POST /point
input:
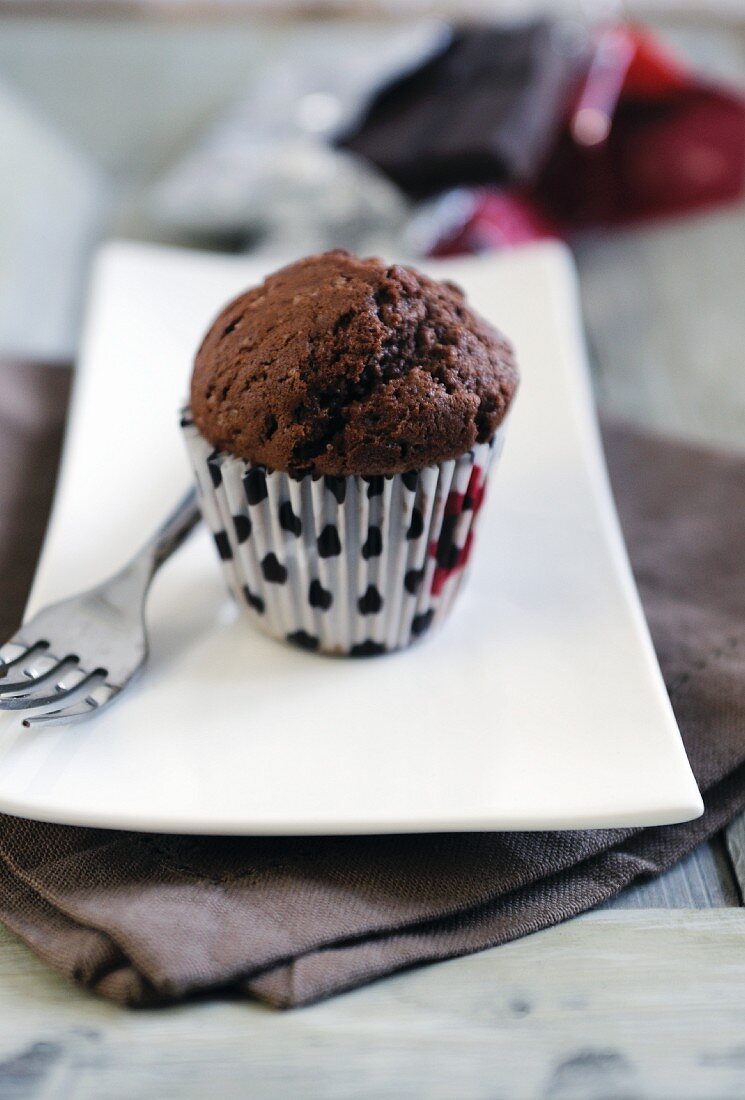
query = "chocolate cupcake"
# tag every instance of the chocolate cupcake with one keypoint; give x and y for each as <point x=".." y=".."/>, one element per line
<point x="344" y="416"/>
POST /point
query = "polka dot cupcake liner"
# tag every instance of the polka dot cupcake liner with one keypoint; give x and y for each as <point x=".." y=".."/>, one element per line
<point x="342" y="565"/>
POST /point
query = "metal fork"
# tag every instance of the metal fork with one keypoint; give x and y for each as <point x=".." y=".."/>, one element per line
<point x="76" y="656"/>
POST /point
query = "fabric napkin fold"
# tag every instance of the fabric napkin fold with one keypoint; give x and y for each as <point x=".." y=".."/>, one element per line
<point x="148" y="919"/>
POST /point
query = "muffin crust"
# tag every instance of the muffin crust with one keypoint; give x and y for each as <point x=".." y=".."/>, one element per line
<point x="337" y="365"/>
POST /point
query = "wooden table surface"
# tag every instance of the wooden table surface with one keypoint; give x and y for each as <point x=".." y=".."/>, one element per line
<point x="642" y="1000"/>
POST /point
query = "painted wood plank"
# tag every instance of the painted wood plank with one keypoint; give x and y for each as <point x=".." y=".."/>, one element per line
<point x="658" y="365"/>
<point x="736" y="848"/>
<point x="625" y="1004"/>
<point x="703" y="880"/>
<point x="54" y="201"/>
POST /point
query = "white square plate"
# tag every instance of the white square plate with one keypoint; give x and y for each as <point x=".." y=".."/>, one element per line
<point x="539" y="705"/>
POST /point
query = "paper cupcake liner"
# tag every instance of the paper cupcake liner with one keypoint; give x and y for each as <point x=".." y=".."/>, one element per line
<point x="343" y="565"/>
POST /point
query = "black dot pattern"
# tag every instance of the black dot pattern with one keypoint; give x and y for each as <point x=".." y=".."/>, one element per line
<point x="213" y="465"/>
<point x="318" y="596"/>
<point x="254" y="484"/>
<point x="223" y="545"/>
<point x="242" y="526"/>
<point x="253" y="600"/>
<point x="416" y="527"/>
<point x="273" y="570"/>
<point x="288" y="521"/>
<point x="329" y="544"/>
<point x="337" y="486"/>
<point x="447" y="551"/>
<point x="421" y="623"/>
<point x="431" y="558"/>
<point x="373" y="545"/>
<point x="304" y="640"/>
<point x="371" y="603"/>
<point x="367" y="649"/>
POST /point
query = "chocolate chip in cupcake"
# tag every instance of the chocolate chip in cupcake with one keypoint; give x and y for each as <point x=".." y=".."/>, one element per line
<point x="337" y="365"/>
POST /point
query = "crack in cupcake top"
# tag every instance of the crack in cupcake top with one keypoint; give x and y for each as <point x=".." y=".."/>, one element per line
<point x="338" y="365"/>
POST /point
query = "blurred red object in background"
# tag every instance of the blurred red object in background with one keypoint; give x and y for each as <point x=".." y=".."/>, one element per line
<point x="643" y="139"/>
<point x="674" y="143"/>
<point x="491" y="219"/>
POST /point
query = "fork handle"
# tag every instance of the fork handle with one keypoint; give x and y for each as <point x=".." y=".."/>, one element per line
<point x="172" y="531"/>
<point x="127" y="588"/>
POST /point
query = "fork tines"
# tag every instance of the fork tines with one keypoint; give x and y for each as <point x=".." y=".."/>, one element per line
<point x="54" y="688"/>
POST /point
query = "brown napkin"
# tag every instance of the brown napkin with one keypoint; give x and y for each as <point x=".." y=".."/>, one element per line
<point x="148" y="919"/>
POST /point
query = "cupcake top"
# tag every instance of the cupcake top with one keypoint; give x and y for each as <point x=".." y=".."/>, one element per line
<point x="339" y="365"/>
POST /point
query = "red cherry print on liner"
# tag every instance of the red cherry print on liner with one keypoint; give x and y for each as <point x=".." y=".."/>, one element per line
<point x="450" y="558"/>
